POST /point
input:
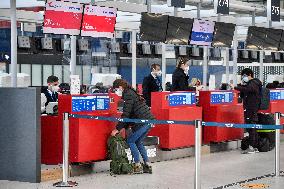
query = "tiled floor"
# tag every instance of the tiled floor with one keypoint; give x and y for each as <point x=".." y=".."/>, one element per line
<point x="218" y="170"/>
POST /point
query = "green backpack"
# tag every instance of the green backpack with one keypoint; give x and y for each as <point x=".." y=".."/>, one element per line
<point x="116" y="152"/>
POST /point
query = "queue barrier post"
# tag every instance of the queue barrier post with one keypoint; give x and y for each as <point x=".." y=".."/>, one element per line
<point x="65" y="163"/>
<point x="277" y="145"/>
<point x="197" y="178"/>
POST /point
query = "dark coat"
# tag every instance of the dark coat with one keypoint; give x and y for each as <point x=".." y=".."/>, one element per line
<point x="50" y="98"/>
<point x="150" y="85"/>
<point x="179" y="80"/>
<point x="134" y="107"/>
<point x="250" y="94"/>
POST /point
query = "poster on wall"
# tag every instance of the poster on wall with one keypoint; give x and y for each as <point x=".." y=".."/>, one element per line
<point x="202" y="32"/>
<point x="62" y="18"/>
<point x="98" y="21"/>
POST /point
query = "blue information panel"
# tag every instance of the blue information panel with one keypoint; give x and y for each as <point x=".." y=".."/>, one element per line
<point x="221" y="97"/>
<point x="178" y="99"/>
<point x="277" y="94"/>
<point x="90" y="103"/>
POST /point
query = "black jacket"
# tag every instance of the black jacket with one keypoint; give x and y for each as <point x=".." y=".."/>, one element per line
<point x="179" y="80"/>
<point x="134" y="108"/>
<point x="149" y="85"/>
<point x="50" y="98"/>
<point x="250" y="94"/>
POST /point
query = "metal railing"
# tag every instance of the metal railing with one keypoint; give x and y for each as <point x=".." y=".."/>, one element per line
<point x="198" y="141"/>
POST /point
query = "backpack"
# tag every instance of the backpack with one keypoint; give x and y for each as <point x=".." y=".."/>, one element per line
<point x="116" y="152"/>
<point x="264" y="98"/>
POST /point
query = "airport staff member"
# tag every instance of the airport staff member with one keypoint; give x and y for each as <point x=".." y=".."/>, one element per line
<point x="180" y="76"/>
<point x="152" y="83"/>
<point x="51" y="93"/>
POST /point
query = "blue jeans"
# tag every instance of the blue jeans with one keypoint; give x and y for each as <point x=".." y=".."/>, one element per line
<point x="135" y="142"/>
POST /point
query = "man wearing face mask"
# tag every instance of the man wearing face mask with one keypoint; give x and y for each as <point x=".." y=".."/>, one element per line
<point x="180" y="76"/>
<point x="250" y="93"/>
<point x="51" y="92"/>
<point x="152" y="83"/>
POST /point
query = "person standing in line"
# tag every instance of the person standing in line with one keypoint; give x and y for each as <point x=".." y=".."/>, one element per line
<point x="250" y="93"/>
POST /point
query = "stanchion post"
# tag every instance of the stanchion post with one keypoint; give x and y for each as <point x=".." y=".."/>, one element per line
<point x="197" y="178"/>
<point x="277" y="145"/>
<point x="65" y="163"/>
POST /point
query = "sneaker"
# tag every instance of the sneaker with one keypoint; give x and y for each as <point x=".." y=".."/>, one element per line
<point x="147" y="168"/>
<point x="250" y="150"/>
<point x="256" y="150"/>
<point x="137" y="169"/>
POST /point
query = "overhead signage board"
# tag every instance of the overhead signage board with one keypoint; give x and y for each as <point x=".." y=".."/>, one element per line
<point x="221" y="6"/>
<point x="273" y="10"/>
<point x="62" y="18"/>
<point x="98" y="21"/>
<point x="176" y="3"/>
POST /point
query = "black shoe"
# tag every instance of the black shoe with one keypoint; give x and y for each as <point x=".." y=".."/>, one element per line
<point x="147" y="168"/>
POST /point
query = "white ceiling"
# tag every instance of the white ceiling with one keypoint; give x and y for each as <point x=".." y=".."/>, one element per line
<point x="22" y="3"/>
<point x="131" y="21"/>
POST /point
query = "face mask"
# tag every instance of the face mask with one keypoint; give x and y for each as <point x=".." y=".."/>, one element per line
<point x="54" y="88"/>
<point x="245" y="79"/>
<point x="159" y="73"/>
<point x="186" y="69"/>
<point x="118" y="92"/>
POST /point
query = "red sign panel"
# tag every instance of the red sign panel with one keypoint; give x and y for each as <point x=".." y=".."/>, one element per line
<point x="62" y="18"/>
<point x="98" y="21"/>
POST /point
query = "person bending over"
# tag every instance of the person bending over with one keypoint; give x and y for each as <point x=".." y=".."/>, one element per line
<point x="134" y="108"/>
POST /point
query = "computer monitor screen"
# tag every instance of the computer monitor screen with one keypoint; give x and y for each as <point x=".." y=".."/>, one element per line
<point x="179" y="30"/>
<point x="202" y="32"/>
<point x="153" y="27"/>
<point x="256" y="37"/>
<point x="223" y="34"/>
<point x="272" y="40"/>
<point x="281" y="44"/>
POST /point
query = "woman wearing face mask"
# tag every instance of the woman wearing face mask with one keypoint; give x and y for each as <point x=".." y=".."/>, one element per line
<point x="180" y="76"/>
<point x="152" y="83"/>
<point x="134" y="108"/>
<point x="51" y="92"/>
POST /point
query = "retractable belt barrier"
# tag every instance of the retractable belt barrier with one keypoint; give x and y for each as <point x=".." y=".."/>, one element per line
<point x="190" y="123"/>
<point x="196" y="123"/>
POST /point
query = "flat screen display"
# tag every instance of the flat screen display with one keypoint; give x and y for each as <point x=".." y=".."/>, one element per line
<point x="178" y="99"/>
<point x="90" y="103"/>
<point x="281" y="45"/>
<point x="98" y="21"/>
<point x="223" y="34"/>
<point x="202" y="32"/>
<point x="272" y="40"/>
<point x="256" y="37"/>
<point x="153" y="27"/>
<point x="62" y="18"/>
<point x="276" y="94"/>
<point x="221" y="97"/>
<point x="179" y="30"/>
